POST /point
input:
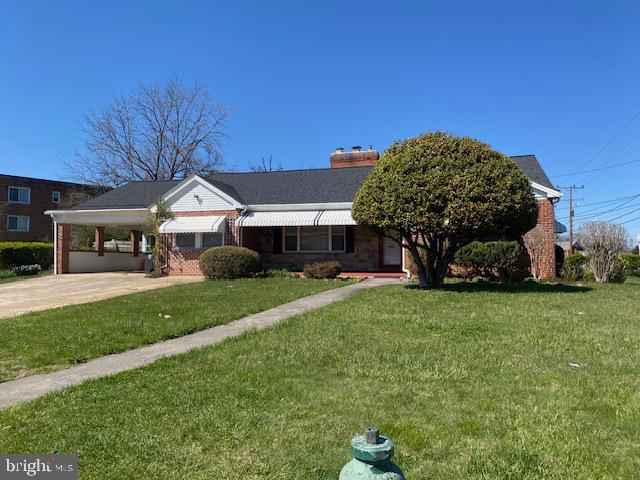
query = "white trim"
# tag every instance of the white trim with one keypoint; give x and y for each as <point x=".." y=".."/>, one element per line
<point x="18" y="217"/>
<point x="55" y="247"/>
<point x="106" y="217"/>
<point x="101" y="210"/>
<point x="279" y="207"/>
<point x="17" y="187"/>
<point x="196" y="179"/>
<point x="551" y="192"/>
<point x="53" y="195"/>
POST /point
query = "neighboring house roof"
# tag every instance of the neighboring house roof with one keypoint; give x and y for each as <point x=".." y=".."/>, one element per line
<point x="324" y="185"/>
<point x="532" y="168"/>
<point x="560" y="227"/>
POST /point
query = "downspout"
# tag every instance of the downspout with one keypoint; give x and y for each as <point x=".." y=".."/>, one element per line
<point x="55" y="245"/>
<point x="406" y="271"/>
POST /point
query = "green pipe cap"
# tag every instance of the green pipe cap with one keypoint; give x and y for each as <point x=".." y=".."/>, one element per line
<point x="380" y="451"/>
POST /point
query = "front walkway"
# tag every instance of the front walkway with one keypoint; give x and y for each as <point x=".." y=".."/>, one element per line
<point x="29" y="388"/>
<point x="54" y="291"/>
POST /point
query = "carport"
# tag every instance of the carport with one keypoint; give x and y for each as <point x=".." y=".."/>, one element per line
<point x="99" y="260"/>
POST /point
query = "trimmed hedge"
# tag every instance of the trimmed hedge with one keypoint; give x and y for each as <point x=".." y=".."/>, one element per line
<point x="487" y="259"/>
<point x="575" y="267"/>
<point x="631" y="264"/>
<point x="322" y="270"/>
<point x="16" y="254"/>
<point x="229" y="262"/>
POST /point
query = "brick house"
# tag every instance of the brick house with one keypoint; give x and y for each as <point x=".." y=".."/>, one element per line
<point x="23" y="201"/>
<point x="290" y="217"/>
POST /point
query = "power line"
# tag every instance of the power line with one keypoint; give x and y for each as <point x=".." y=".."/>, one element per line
<point x="623" y="215"/>
<point x="592" y="176"/>
<point x="609" y="142"/>
<point x="590" y="213"/>
<point x="597" y="169"/>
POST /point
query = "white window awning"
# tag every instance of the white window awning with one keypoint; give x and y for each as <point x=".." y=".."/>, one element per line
<point x="336" y="217"/>
<point x="296" y="218"/>
<point x="209" y="224"/>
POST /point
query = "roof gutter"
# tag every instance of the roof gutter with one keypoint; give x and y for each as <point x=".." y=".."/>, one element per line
<point x="280" y="207"/>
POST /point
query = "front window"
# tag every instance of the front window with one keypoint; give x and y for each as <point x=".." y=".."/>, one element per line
<point x="19" y="194"/>
<point x="185" y="240"/>
<point x="337" y="238"/>
<point x="314" y="239"/>
<point x="55" y="197"/>
<point x="211" y="240"/>
<point x="290" y="239"/>
<point x="17" y="223"/>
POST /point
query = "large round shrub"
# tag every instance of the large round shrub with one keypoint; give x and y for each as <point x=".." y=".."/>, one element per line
<point x="229" y="262"/>
<point x="440" y="192"/>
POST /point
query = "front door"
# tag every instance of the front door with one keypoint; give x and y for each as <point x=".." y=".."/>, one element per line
<point x="391" y="254"/>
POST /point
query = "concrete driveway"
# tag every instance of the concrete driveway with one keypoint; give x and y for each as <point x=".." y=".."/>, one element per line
<point x="59" y="290"/>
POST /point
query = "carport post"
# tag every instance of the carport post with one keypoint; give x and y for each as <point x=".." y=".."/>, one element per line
<point x="135" y="246"/>
<point x="99" y="247"/>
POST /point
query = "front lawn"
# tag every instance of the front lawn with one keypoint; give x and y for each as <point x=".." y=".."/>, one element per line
<point x="52" y="339"/>
<point x="475" y="382"/>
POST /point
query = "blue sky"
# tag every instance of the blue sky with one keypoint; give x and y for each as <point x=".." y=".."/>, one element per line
<point x="558" y="79"/>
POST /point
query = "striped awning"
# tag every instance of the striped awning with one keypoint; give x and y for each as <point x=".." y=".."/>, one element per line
<point x="209" y="224"/>
<point x="295" y="218"/>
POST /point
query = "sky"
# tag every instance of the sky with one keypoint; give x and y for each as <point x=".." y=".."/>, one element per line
<point x="557" y="79"/>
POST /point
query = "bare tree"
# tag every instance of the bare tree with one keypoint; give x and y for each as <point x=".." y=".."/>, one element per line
<point x="536" y="242"/>
<point x="159" y="132"/>
<point x="604" y="243"/>
<point x="265" y="166"/>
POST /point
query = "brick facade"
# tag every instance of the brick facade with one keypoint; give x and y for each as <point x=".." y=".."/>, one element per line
<point x="365" y="257"/>
<point x="185" y="262"/>
<point x="354" y="158"/>
<point x="541" y="242"/>
<point x="41" y="199"/>
<point x="63" y="240"/>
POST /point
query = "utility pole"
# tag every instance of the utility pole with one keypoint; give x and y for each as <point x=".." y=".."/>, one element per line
<point x="571" y="188"/>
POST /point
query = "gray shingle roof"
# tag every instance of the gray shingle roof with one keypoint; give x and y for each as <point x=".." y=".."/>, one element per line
<point x="532" y="168"/>
<point x="325" y="185"/>
<point x="295" y="186"/>
<point x="131" y="195"/>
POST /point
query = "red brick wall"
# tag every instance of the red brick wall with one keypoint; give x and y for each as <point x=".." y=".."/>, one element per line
<point x="541" y="242"/>
<point x="63" y="240"/>
<point x="40" y="225"/>
<point x="365" y="257"/>
<point x="185" y="262"/>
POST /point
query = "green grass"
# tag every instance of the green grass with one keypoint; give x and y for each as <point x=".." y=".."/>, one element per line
<point x="473" y="382"/>
<point x="15" y="278"/>
<point x="52" y="339"/>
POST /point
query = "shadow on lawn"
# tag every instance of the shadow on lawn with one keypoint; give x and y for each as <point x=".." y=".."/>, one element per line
<point x="517" y="287"/>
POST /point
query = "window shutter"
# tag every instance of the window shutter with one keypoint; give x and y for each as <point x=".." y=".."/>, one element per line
<point x="277" y="239"/>
<point x="350" y="240"/>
